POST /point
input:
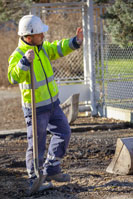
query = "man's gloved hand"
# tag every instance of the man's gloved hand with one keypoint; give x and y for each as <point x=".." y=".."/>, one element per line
<point x="30" y="55"/>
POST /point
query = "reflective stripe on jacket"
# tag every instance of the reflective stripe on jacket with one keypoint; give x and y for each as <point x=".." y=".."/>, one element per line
<point x="46" y="90"/>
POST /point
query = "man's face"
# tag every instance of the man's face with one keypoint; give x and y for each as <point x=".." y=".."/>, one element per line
<point x="37" y="39"/>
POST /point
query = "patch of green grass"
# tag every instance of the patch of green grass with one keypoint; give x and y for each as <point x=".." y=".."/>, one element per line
<point x="116" y="67"/>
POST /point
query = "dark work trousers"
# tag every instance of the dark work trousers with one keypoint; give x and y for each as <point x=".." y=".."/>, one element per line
<point x="56" y="123"/>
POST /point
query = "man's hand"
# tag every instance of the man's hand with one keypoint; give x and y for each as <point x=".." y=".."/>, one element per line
<point x="30" y="55"/>
<point x="79" y="35"/>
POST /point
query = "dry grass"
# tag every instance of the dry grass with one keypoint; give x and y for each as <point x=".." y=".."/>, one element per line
<point x="8" y="41"/>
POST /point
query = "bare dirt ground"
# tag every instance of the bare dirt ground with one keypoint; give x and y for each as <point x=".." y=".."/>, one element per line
<point x="90" y="151"/>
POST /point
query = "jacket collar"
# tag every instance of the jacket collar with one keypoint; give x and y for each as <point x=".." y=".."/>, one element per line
<point x="28" y="46"/>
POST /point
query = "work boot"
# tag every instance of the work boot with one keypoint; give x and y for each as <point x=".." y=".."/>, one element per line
<point x="60" y="177"/>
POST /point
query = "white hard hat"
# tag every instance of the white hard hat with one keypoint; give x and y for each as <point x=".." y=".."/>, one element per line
<point x="30" y="25"/>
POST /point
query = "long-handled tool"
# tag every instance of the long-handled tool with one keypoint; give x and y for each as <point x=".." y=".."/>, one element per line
<point x="40" y="177"/>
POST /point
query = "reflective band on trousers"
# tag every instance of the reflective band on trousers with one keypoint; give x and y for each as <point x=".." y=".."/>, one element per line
<point x="39" y="104"/>
<point x="52" y="157"/>
<point x="55" y="163"/>
<point x="37" y="84"/>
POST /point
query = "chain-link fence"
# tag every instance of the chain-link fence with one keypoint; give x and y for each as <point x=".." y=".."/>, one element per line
<point x="118" y="74"/>
<point x="63" y="20"/>
<point x="113" y="67"/>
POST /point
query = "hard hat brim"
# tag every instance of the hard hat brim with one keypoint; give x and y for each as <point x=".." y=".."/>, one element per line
<point x="45" y="28"/>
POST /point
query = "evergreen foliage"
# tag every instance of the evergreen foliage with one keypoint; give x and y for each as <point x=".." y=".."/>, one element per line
<point x="101" y="1"/>
<point x="13" y="9"/>
<point x="119" y="22"/>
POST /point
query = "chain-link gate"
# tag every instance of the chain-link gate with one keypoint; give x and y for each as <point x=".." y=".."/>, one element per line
<point x="63" y="21"/>
<point x="70" y="72"/>
<point x="101" y="72"/>
<point x="114" y="68"/>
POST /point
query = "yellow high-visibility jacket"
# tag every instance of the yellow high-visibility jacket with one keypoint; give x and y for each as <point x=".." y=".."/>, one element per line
<point x="46" y="90"/>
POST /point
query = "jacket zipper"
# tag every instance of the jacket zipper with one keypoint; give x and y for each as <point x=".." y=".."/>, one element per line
<point x="46" y="79"/>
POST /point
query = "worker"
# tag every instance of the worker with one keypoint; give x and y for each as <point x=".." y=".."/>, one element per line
<point x="33" y="49"/>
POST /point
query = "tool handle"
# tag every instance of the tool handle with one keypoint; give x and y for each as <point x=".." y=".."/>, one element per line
<point x="34" y="123"/>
